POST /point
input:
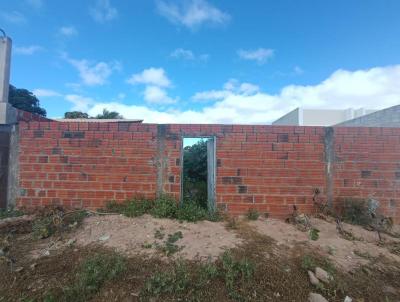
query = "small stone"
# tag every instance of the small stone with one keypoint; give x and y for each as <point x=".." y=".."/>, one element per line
<point x="387" y="289"/>
<point x="348" y="299"/>
<point x="33" y="266"/>
<point x="46" y="253"/>
<point x="19" y="269"/>
<point x="1" y="253"/>
<point x="322" y="275"/>
<point x="104" y="238"/>
<point x="313" y="280"/>
<point x="313" y="297"/>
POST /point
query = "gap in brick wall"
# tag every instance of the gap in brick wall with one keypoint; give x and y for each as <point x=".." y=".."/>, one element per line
<point x="198" y="171"/>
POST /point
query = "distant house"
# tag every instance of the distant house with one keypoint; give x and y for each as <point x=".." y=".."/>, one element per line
<point x="320" y="117"/>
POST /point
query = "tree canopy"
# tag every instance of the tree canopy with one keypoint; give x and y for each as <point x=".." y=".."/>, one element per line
<point x="109" y="115"/>
<point x="25" y="100"/>
<point x="75" y="114"/>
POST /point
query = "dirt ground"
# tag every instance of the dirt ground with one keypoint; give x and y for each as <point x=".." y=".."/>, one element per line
<point x="201" y="240"/>
<point x="348" y="254"/>
<point x="363" y="268"/>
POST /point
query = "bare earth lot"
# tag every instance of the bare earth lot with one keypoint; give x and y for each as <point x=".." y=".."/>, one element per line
<point x="168" y="260"/>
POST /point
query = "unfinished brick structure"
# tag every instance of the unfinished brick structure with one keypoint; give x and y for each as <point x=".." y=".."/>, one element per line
<point x="270" y="168"/>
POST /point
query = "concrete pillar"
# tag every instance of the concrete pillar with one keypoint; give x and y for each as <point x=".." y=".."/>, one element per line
<point x="5" y="60"/>
<point x="7" y="112"/>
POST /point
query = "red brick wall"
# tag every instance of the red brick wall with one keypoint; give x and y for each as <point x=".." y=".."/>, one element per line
<point x="270" y="168"/>
<point x="85" y="164"/>
<point x="367" y="165"/>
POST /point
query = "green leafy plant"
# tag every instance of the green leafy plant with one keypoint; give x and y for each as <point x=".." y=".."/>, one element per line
<point x="252" y="214"/>
<point x="308" y="263"/>
<point x="43" y="228"/>
<point x="92" y="274"/>
<point x="165" y="207"/>
<point x="314" y="234"/>
<point x="10" y="212"/>
<point x="169" y="247"/>
<point x="235" y="271"/>
<point x="174" y="281"/>
<point x="162" y="207"/>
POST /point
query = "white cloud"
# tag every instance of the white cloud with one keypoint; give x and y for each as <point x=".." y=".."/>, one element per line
<point x="151" y="76"/>
<point x="92" y="73"/>
<point x="181" y="53"/>
<point x="13" y="17"/>
<point x="103" y="11"/>
<point x="298" y="70"/>
<point x="157" y="95"/>
<point x="68" y="31"/>
<point x="191" y="13"/>
<point x="260" y="55"/>
<point x="80" y="103"/>
<point x="232" y="87"/>
<point x="186" y="54"/>
<point x="36" y="4"/>
<point x="373" y="88"/>
<point x="156" y="82"/>
<point x="45" y="93"/>
<point x="27" y="50"/>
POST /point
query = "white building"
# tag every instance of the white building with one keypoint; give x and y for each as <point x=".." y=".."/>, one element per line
<point x="320" y="117"/>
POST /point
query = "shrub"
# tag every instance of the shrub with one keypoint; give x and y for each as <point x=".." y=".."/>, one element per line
<point x="235" y="271"/>
<point x="92" y="274"/>
<point x="308" y="263"/>
<point x="355" y="211"/>
<point x="169" y="248"/>
<point x="174" y="281"/>
<point x="314" y="234"/>
<point x="10" y="212"/>
<point x="165" y="207"/>
<point x="190" y="211"/>
<point x="253" y="214"/>
<point x="43" y="228"/>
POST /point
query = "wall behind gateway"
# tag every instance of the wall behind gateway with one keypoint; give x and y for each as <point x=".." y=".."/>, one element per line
<point x="270" y="168"/>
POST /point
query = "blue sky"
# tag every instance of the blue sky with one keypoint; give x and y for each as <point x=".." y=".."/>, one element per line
<point x="198" y="61"/>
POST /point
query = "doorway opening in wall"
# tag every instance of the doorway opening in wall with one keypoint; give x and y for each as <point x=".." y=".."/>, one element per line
<point x="198" y="171"/>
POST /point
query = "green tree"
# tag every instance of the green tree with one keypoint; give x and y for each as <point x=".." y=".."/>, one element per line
<point x="109" y="115"/>
<point x="195" y="173"/>
<point x="75" y="114"/>
<point x="25" y="100"/>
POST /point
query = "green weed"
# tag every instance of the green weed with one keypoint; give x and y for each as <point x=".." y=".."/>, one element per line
<point x="163" y="207"/>
<point x="235" y="271"/>
<point x="92" y="274"/>
<point x="175" y="281"/>
<point x="253" y="214"/>
<point x="314" y="234"/>
<point x="10" y="212"/>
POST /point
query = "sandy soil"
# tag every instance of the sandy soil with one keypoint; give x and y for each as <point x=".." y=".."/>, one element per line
<point x="130" y="235"/>
<point x="345" y="253"/>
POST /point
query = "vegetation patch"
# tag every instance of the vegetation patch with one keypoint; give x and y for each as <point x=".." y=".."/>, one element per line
<point x="187" y="282"/>
<point x="11" y="212"/>
<point x="169" y="247"/>
<point x="253" y="214"/>
<point x="56" y="221"/>
<point x="92" y="274"/>
<point x="163" y="207"/>
<point x="314" y="234"/>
